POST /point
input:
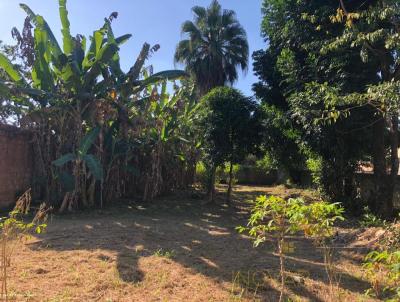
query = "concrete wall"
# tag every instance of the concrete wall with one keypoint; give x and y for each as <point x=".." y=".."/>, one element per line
<point x="16" y="163"/>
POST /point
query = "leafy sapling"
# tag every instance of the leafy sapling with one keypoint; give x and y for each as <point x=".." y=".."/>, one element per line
<point x="275" y="217"/>
<point x="383" y="269"/>
<point x="317" y="220"/>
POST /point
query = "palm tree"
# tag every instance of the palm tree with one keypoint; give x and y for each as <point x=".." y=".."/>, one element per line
<point x="215" y="46"/>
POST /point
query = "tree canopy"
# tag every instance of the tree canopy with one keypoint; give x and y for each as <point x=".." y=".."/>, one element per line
<point x="215" y="45"/>
<point x="324" y="71"/>
<point x="230" y="125"/>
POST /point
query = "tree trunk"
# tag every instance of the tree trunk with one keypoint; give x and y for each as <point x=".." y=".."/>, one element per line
<point x="211" y="185"/>
<point x="228" y="197"/>
<point x="383" y="197"/>
<point x="387" y="209"/>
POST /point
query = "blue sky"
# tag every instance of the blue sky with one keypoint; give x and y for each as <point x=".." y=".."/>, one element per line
<point x="152" y="21"/>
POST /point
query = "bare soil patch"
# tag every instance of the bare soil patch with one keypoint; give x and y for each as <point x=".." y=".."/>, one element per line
<point x="174" y="249"/>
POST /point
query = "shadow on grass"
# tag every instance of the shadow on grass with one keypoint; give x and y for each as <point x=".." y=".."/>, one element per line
<point x="202" y="238"/>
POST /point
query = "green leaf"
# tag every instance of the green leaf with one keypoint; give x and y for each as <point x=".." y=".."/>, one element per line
<point x="95" y="45"/>
<point x="122" y="39"/>
<point x="94" y="166"/>
<point x="64" y="159"/>
<point x="41" y="73"/>
<point x="67" y="38"/>
<point x="40" y="23"/>
<point x="88" y="140"/>
<point x="67" y="181"/>
<point x="105" y="54"/>
<point x="8" y="67"/>
<point x="161" y="76"/>
<point x="38" y="230"/>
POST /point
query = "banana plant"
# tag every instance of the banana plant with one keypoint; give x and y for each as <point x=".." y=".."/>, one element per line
<point x="81" y="155"/>
<point x="82" y="161"/>
<point x="168" y="117"/>
<point x="78" y="77"/>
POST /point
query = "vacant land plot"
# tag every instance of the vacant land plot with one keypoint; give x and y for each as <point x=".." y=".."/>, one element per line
<point x="174" y="249"/>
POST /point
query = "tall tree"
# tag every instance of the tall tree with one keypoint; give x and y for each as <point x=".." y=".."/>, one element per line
<point x="296" y="32"/>
<point x="337" y="62"/>
<point x="373" y="29"/>
<point x="231" y="130"/>
<point x="215" y="45"/>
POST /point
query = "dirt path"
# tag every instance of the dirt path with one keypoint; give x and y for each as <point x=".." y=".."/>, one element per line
<point x="172" y="250"/>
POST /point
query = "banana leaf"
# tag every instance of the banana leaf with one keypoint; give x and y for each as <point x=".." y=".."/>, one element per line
<point x="94" y="166"/>
<point x="39" y="22"/>
<point x="64" y="159"/>
<point x="8" y="67"/>
<point x="158" y="77"/>
<point x="68" y="44"/>
<point x="88" y="141"/>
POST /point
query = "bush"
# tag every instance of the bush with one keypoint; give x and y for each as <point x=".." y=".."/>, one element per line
<point x="267" y="163"/>
<point x="278" y="218"/>
<point x="370" y="220"/>
<point x="221" y="176"/>
<point x="274" y="216"/>
<point x="383" y="269"/>
<point x="201" y="174"/>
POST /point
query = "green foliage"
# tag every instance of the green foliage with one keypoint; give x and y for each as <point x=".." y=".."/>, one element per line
<point x="230" y="125"/>
<point x="231" y="129"/>
<point x="215" y="45"/>
<point x="201" y="174"/>
<point x="272" y="216"/>
<point x="90" y="160"/>
<point x="266" y="163"/>
<point x="324" y="83"/>
<point x="106" y="124"/>
<point x="281" y="141"/>
<point x="317" y="219"/>
<point x="164" y="253"/>
<point x="222" y="173"/>
<point x="369" y="219"/>
<point x="8" y="67"/>
<point x="277" y="217"/>
<point x="88" y="141"/>
<point x="315" y="166"/>
<point x="14" y="227"/>
<point x="383" y="269"/>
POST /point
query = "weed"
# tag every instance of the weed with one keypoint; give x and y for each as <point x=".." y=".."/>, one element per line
<point x="245" y="284"/>
<point x="370" y="220"/>
<point x="383" y="269"/>
<point x="164" y="253"/>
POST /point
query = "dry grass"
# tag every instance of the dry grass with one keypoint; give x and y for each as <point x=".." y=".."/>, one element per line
<point x="171" y="250"/>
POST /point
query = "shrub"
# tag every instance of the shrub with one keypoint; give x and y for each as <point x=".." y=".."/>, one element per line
<point x="370" y="220"/>
<point x="280" y="217"/>
<point x="222" y="175"/>
<point x="267" y="163"/>
<point x="274" y="216"/>
<point x="317" y="221"/>
<point x="383" y="267"/>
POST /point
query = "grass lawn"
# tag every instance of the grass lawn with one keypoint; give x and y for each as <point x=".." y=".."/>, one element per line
<point x="174" y="249"/>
